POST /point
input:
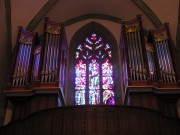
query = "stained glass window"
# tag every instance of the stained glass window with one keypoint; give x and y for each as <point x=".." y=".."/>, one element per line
<point x="94" y="72"/>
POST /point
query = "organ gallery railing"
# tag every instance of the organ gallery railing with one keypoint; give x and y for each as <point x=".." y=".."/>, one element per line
<point x="134" y="47"/>
<point x="166" y="72"/>
<point x="22" y="59"/>
<point x="54" y="52"/>
<point x="94" y="120"/>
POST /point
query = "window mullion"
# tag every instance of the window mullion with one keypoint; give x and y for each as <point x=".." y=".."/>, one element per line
<point x="87" y="84"/>
<point x="100" y="81"/>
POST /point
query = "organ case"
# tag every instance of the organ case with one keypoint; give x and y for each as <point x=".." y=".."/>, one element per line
<point x="165" y="65"/>
<point x="54" y="55"/>
<point x="22" y="59"/>
<point x="134" y="51"/>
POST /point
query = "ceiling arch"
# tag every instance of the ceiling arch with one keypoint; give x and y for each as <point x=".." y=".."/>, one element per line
<point x="65" y="10"/>
<point x="51" y="3"/>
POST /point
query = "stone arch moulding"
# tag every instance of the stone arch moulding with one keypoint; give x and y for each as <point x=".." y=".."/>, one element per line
<point x="79" y="37"/>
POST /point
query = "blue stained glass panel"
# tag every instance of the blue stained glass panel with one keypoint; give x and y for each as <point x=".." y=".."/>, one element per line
<point x="80" y="97"/>
<point x="93" y="82"/>
<point x="107" y="83"/>
<point x="94" y="97"/>
<point x="107" y="69"/>
<point x="80" y="68"/>
<point x="80" y="82"/>
<point x="108" y="97"/>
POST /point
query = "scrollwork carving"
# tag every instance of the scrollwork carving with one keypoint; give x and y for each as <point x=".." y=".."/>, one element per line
<point x="53" y="29"/>
<point x="25" y="39"/>
<point x="160" y="36"/>
<point x="132" y="28"/>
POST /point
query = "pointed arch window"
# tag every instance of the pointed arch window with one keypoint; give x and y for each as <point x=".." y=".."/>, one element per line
<point x="94" y="72"/>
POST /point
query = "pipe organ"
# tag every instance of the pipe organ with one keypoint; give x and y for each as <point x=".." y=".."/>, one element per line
<point x="22" y="59"/>
<point x="147" y="63"/>
<point x="44" y="64"/>
<point x="164" y="58"/>
<point x="39" y="69"/>
<point x="134" y="49"/>
<point x="148" y="69"/>
<point x="54" y="54"/>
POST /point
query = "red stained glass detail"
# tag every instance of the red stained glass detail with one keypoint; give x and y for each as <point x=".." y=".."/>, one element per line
<point x="108" y="97"/>
<point x="107" y="68"/>
<point x="107" y="83"/>
<point x="80" y="68"/>
<point x="94" y="68"/>
<point x="80" y="82"/>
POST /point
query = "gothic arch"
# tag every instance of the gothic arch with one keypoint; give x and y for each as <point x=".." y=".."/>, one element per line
<point x="79" y="37"/>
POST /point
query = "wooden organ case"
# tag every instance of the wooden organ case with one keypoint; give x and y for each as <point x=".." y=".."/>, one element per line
<point x="38" y="79"/>
<point x="165" y="64"/>
<point x="149" y="76"/>
<point x="53" y="65"/>
<point x="22" y="59"/>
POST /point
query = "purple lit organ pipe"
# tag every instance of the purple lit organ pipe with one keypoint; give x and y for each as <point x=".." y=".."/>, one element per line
<point x="167" y="71"/>
<point x="44" y="59"/>
<point x="133" y="44"/>
<point x="17" y="65"/>
<point x="143" y="70"/>
<point x="130" y="57"/>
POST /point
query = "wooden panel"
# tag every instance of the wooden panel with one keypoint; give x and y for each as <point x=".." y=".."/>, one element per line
<point x="88" y="120"/>
<point x="156" y="102"/>
<point x="25" y="107"/>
